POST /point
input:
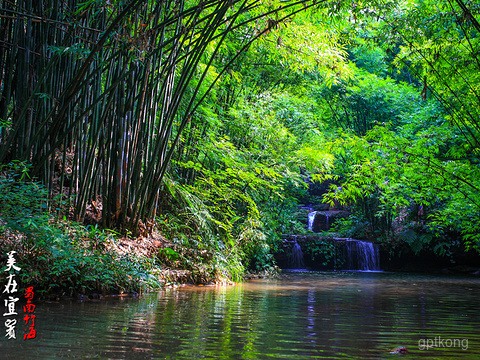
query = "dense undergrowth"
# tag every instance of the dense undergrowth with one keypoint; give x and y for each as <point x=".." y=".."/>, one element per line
<point x="60" y="257"/>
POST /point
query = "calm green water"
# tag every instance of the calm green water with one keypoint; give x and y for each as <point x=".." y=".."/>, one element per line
<point x="299" y="316"/>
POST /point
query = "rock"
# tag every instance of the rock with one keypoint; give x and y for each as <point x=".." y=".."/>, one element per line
<point x="324" y="219"/>
<point x="399" y="350"/>
<point x="321" y="207"/>
<point x="95" y="296"/>
<point x="464" y="269"/>
<point x="80" y="297"/>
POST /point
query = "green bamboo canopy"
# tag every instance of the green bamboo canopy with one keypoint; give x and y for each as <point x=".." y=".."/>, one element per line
<point x="96" y="94"/>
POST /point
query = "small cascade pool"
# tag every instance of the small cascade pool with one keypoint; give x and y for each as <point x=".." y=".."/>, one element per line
<point x="361" y="255"/>
<point x="343" y="254"/>
<point x="296" y="257"/>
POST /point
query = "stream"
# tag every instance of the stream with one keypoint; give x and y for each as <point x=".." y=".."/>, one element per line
<point x="300" y="315"/>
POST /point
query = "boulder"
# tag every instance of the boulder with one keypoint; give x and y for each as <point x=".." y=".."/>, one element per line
<point x="321" y="207"/>
<point x="324" y="219"/>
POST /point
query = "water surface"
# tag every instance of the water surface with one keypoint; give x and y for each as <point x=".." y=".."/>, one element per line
<point x="312" y="315"/>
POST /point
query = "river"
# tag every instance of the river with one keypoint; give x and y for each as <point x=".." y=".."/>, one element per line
<point x="301" y="315"/>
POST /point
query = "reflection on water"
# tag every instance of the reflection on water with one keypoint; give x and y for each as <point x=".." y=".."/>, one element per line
<point x="299" y="316"/>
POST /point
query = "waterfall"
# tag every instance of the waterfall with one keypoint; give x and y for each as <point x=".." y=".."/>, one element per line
<point x="295" y="259"/>
<point x="361" y="255"/>
<point x="311" y="219"/>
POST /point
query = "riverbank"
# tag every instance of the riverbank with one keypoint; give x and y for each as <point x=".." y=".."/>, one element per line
<point x="65" y="260"/>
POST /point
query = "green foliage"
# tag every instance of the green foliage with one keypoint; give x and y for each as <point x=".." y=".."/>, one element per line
<point x="5" y="125"/>
<point x="21" y="199"/>
<point x="197" y="236"/>
<point x="321" y="251"/>
<point x="304" y="45"/>
<point x="146" y="70"/>
<point x="356" y="226"/>
<point x="168" y="120"/>
<point x="245" y="177"/>
<point x="169" y="254"/>
<point x="439" y="44"/>
<point x="58" y="257"/>
<point x="367" y="101"/>
<point x="399" y="169"/>
<point x="370" y="58"/>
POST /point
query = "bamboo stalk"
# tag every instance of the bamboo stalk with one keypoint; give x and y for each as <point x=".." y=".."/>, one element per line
<point x="117" y="89"/>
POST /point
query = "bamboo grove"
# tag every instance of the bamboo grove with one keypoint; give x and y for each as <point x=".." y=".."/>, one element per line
<point x="95" y="95"/>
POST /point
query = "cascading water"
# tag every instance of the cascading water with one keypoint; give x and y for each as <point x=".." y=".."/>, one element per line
<point x="295" y="259"/>
<point x="311" y="219"/>
<point x="361" y="255"/>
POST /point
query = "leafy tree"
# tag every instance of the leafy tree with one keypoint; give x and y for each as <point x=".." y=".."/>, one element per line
<point x="112" y="94"/>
